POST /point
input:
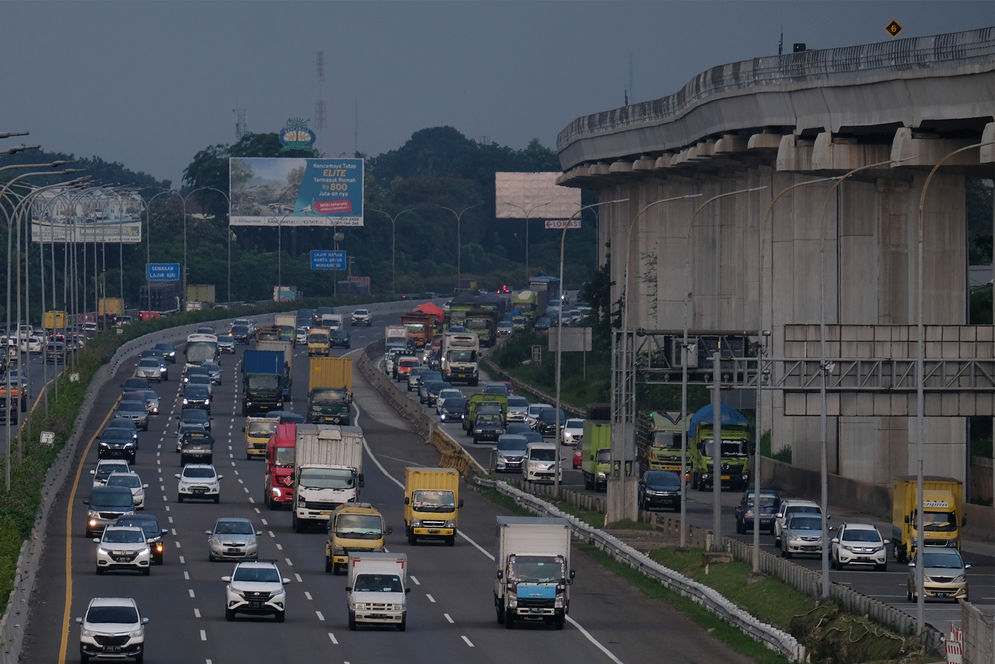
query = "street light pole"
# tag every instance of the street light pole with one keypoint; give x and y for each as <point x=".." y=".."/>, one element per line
<point x="716" y="414"/>
<point x="393" y="246"/>
<point x="528" y="215"/>
<point x="921" y="388"/>
<point x="459" y="242"/>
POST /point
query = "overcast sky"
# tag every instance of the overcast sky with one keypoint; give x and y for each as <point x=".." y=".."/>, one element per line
<point x="148" y="84"/>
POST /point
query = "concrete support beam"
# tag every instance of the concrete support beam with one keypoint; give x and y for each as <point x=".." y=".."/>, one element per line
<point x="643" y="164"/>
<point x="987" y="155"/>
<point x="664" y="161"/>
<point x="926" y="151"/>
<point x="764" y="141"/>
<point x="794" y="154"/>
<point x="620" y="167"/>
<point x="831" y="153"/>
<point x="729" y="144"/>
<point x="702" y="150"/>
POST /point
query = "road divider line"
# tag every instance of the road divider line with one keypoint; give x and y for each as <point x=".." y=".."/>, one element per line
<point x="468" y="642"/>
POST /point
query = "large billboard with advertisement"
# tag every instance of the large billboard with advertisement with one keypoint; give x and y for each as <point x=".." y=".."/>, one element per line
<point x="534" y="196"/>
<point x="276" y="191"/>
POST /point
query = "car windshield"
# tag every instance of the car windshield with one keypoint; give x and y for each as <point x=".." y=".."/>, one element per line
<point x="233" y="527"/>
<point x="285" y="457"/>
<point x="115" y="498"/>
<point x="766" y="500"/>
<point x="198" y="472"/>
<point x="489" y="419"/>
<point x="262" y="428"/>
<point x="805" y="523"/>
<point x="359" y="525"/>
<point x="861" y="535"/>
<point x="660" y="478"/>
<point x="120" y="479"/>
<point x="378" y="583"/>
<point x="433" y="501"/>
<point x="196" y="392"/>
<point x="263" y="381"/>
<point x="257" y="574"/>
<point x="112" y="614"/>
<point x="131" y="405"/>
<point x="536" y="569"/>
<point x="104" y="470"/>
<point x="511" y="444"/>
<point x="938" y="522"/>
<point x="801" y="509"/>
<point x="943" y="559"/>
<point x="542" y="454"/>
<point x="123" y="536"/>
<point x="149" y="525"/>
<point x="149" y="362"/>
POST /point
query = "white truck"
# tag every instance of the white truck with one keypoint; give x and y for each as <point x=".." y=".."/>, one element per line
<point x="460" y="354"/>
<point x="377" y="588"/>
<point x="533" y="570"/>
<point x="395" y="335"/>
<point x="332" y="321"/>
<point x="328" y="471"/>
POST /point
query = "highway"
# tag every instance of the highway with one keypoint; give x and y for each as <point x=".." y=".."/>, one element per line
<point x="450" y="612"/>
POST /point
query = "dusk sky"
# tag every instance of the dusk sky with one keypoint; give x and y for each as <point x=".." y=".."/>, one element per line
<point x="149" y="84"/>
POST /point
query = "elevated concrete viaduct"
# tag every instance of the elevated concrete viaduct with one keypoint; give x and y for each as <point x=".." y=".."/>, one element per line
<point x="893" y="110"/>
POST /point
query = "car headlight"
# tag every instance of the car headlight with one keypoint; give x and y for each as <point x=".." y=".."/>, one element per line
<point x="961" y="578"/>
<point x="602" y="475"/>
<point x="102" y="551"/>
<point x="360" y="606"/>
<point x="88" y="633"/>
<point x="207" y="402"/>
<point x="276" y="491"/>
<point x="145" y="552"/>
<point x="558" y="602"/>
<point x="185" y="402"/>
<point x="450" y="523"/>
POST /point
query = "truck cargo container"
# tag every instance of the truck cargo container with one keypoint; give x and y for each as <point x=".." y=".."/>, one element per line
<point x="533" y="575"/>
<point x="328" y="471"/>
<point x="431" y="504"/>
<point x="460" y="357"/>
<point x="263" y="375"/>
<point x="942" y="513"/>
<point x="287" y="348"/>
<point x="329" y="396"/>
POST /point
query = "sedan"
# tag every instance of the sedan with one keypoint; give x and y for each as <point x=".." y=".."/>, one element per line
<point x="123" y="547"/>
<point x="859" y="544"/>
<point x="213" y="371"/>
<point x="339" y="338"/>
<point x="659" y="489"/>
<point x="573" y="431"/>
<point x="944" y="574"/>
<point x="134" y="410"/>
<point x="232" y="538"/>
<point x="152" y="368"/>
<point x="453" y="409"/>
<point x="117" y="443"/>
<point x="226" y="345"/>
<point x="167" y="350"/>
<point x="446" y="393"/>
<point x="195" y="416"/>
<point x="198" y="480"/>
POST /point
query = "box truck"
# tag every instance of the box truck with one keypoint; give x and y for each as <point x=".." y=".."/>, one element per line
<point x="431" y="504"/>
<point x="533" y="577"/>
<point x="942" y="514"/>
<point x="328" y="471"/>
<point x="376" y="589"/>
<point x="329" y="392"/>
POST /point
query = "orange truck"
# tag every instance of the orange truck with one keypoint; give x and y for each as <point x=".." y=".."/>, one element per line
<point x="420" y="328"/>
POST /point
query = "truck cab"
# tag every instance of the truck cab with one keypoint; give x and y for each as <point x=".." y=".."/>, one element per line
<point x="533" y="576"/>
<point x="317" y="341"/>
<point x="431" y="504"/>
<point x="377" y="588"/>
<point x="353" y="528"/>
<point x="258" y="431"/>
<point x="278" y="486"/>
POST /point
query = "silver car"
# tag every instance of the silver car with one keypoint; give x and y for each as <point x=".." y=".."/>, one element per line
<point x="802" y="535"/>
<point x="152" y="368"/>
<point x="232" y="538"/>
<point x="134" y="410"/>
<point x="944" y="574"/>
<point x="132" y="481"/>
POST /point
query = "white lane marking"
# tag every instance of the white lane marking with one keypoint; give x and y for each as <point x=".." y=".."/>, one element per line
<point x="251" y="499"/>
<point x="186" y="575"/>
<point x="190" y="591"/>
<point x="298" y="577"/>
<point x="244" y="488"/>
<point x="334" y="641"/>
<point x="414" y="580"/>
<point x="307" y="595"/>
<point x="170" y="519"/>
<point x="321" y="618"/>
<point x="279" y="547"/>
<point x="468" y="641"/>
<point x="196" y="613"/>
<point x="173" y="529"/>
<point x="235" y="471"/>
<point x="178" y="545"/>
<point x="271" y="534"/>
<point x="289" y="562"/>
<point x="203" y="635"/>
<point x="182" y="561"/>
<point x="448" y="618"/>
<point x="366" y="446"/>
<point x="430" y="598"/>
<point x="166" y="507"/>
<point x="240" y="481"/>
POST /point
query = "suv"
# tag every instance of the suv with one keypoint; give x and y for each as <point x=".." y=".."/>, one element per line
<point x="123" y="547"/>
<point x="787" y="509"/>
<point x="362" y="317"/>
<point x="198" y="480"/>
<point x="197" y="396"/>
<point x="116" y="442"/>
<point x="105" y="467"/>
<point x="770" y="505"/>
<point x="112" y="627"/>
<point x="153" y="533"/>
<point x="859" y="543"/>
<point x="196" y="446"/>
<point x="255" y="587"/>
<point x="106" y="504"/>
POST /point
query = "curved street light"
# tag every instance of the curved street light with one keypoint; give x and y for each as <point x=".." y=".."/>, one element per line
<point x="393" y="254"/>
<point x="528" y="215"/>
<point x="459" y="242"/>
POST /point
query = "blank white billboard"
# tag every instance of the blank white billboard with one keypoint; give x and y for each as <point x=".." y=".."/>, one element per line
<point x="533" y="196"/>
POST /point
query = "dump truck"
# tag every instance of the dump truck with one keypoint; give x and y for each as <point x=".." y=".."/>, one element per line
<point x="533" y="578"/>
<point x="942" y="514"/>
<point x="328" y="471"/>
<point x="596" y="451"/>
<point x="376" y="589"/>
<point x="353" y="528"/>
<point x="287" y="348"/>
<point x="329" y="393"/>
<point x="419" y="327"/>
<point x="660" y="435"/>
<point x="263" y="377"/>
<point x="431" y="504"/>
<point x="734" y="452"/>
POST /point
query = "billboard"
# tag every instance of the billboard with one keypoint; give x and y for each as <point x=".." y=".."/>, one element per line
<point x="109" y="232"/>
<point x="275" y="191"/>
<point x="533" y="196"/>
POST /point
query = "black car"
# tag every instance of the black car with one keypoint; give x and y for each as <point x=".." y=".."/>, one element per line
<point x="546" y="424"/>
<point x="167" y="351"/>
<point x="429" y="391"/>
<point x="240" y="333"/>
<point x="487" y="427"/>
<point x="338" y="338"/>
<point x="116" y="443"/>
<point x="196" y="447"/>
<point x="136" y="383"/>
<point x="150" y="526"/>
<point x="453" y="409"/>
<point x="197" y="396"/>
<point x="196" y="416"/>
<point x="659" y="489"/>
<point x="770" y="505"/>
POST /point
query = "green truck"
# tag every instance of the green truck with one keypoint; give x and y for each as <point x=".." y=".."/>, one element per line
<point x="660" y="434"/>
<point x="596" y="449"/>
<point x="483" y="323"/>
<point x="481" y="402"/>
<point x="734" y="461"/>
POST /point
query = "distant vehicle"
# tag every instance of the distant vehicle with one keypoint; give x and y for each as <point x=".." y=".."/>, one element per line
<point x="105" y="467"/>
<point x="232" y="538"/>
<point x="543" y="323"/>
<point x="339" y="338"/>
<point x="573" y="431"/>
<point x="226" y="345"/>
<point x="152" y="368"/>
<point x="240" y="333"/>
<point x="286" y="416"/>
<point x="770" y="505"/>
<point x="135" y="383"/>
<point x="195" y="416"/>
<point x="134" y="410"/>
<point x="789" y="508"/>
<point x="504" y="328"/>
<point x="213" y="370"/>
<point x="300" y="336"/>
<point x="361" y="317"/>
<point x="658" y="489"/>
<point x="105" y="505"/>
<point x="167" y="350"/>
<point x="132" y="481"/>
<point x="112" y="627"/>
<point x="453" y="409"/>
<point x="197" y="396"/>
<point x="509" y="453"/>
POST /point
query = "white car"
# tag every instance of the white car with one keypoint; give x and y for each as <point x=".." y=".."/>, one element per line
<point x="859" y="544"/>
<point x="123" y="547"/>
<point x="112" y="627"/>
<point x="198" y="480"/>
<point x="133" y="482"/>
<point x="361" y="317"/>
<point x="539" y="464"/>
<point x="517" y="408"/>
<point x="257" y="588"/>
<point x="787" y="509"/>
<point x="801" y="535"/>
<point x="573" y="431"/>
<point x="105" y="467"/>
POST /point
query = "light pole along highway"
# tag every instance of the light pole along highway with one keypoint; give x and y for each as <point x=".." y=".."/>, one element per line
<point x="393" y="246"/>
<point x="459" y="242"/>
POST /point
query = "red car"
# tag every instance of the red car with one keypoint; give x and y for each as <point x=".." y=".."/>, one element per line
<point x="578" y="456"/>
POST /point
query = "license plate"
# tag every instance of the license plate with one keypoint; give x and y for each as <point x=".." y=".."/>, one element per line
<point x="433" y="531"/>
<point x="231" y="550"/>
<point x="199" y="490"/>
<point x="255" y="604"/>
<point x="112" y="648"/>
<point x="726" y="477"/>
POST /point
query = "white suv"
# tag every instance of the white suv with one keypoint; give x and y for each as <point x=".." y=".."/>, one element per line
<point x="112" y="627"/>
<point x="361" y="317"/>
<point x="859" y="543"/>
<point x="123" y="547"/>
<point x="198" y="480"/>
<point x="255" y="587"/>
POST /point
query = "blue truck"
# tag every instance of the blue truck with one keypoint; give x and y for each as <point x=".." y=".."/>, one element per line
<point x="264" y="377"/>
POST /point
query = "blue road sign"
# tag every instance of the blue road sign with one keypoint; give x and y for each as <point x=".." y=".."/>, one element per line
<point x="162" y="271"/>
<point x="327" y="259"/>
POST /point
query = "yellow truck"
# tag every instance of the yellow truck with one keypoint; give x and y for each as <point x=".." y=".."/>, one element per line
<point x="353" y="528"/>
<point x="110" y="306"/>
<point x="943" y="513"/>
<point x="258" y="431"/>
<point x="317" y="341"/>
<point x="431" y="504"/>
<point x="329" y="390"/>
<point x="54" y="320"/>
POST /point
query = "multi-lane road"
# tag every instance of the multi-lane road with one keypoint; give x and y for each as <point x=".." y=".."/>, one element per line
<point x="450" y="613"/>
